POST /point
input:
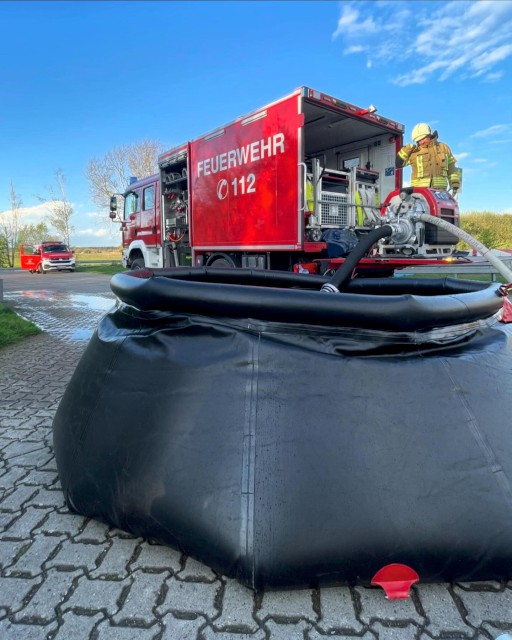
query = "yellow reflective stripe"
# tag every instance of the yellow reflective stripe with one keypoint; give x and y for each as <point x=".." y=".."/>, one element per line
<point x="437" y="182"/>
<point x="420" y="182"/>
<point x="309" y="196"/>
<point x="359" y="208"/>
<point x="419" y="166"/>
<point x="403" y="154"/>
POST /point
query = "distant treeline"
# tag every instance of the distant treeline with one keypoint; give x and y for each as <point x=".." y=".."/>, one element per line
<point x="494" y="230"/>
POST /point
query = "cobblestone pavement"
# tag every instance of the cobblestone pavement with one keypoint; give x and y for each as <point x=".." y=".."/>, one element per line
<point x="65" y="577"/>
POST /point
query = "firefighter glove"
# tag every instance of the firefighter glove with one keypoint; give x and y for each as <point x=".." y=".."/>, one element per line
<point x="407" y="150"/>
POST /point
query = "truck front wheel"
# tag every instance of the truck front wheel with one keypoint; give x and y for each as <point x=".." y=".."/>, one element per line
<point x="138" y="263"/>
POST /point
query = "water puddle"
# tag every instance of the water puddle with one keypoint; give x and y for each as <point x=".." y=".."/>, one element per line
<point x="69" y="316"/>
<point x="94" y="303"/>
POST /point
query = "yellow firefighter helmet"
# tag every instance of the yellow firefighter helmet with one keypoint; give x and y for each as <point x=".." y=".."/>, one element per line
<point x="420" y="131"/>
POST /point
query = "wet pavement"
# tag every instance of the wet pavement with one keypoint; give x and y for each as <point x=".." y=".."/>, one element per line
<point x="47" y="300"/>
<point x="65" y="577"/>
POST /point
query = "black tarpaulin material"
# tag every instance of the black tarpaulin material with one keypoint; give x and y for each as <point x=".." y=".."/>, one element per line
<point x="287" y="437"/>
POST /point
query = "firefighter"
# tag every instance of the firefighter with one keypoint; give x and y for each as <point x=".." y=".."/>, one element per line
<point x="432" y="162"/>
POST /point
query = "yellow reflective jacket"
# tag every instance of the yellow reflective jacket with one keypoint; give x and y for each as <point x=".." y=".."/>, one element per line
<point x="433" y="165"/>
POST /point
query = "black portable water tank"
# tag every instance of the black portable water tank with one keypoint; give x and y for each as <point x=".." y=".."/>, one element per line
<point x="288" y="437"/>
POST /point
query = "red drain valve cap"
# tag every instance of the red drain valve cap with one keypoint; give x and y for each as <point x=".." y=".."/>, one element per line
<point x="396" y="580"/>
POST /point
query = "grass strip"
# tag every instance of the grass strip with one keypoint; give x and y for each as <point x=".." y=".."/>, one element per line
<point x="14" y="328"/>
<point x="107" y="269"/>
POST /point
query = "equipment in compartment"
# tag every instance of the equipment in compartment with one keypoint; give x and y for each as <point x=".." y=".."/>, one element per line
<point x="175" y="213"/>
<point x="334" y="209"/>
<point x="365" y="196"/>
<point x="341" y="198"/>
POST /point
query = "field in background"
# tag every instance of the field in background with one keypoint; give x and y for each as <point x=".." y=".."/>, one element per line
<point x="98" y="253"/>
<point x="86" y="257"/>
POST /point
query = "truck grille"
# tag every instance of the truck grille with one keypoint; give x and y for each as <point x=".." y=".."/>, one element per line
<point x="333" y="209"/>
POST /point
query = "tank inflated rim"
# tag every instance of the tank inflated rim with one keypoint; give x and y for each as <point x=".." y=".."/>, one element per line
<point x="391" y="304"/>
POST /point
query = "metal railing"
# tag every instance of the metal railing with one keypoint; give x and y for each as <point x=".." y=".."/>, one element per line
<point x="476" y="267"/>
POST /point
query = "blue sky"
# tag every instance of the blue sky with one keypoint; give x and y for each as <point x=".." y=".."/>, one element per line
<point x="81" y="77"/>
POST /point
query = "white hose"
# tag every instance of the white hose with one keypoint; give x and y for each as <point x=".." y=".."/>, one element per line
<point x="501" y="268"/>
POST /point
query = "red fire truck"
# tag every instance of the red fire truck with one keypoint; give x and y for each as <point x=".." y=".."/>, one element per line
<point x="46" y="256"/>
<point x="267" y="189"/>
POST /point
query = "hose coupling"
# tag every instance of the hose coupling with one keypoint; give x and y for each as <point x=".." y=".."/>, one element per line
<point x="329" y="288"/>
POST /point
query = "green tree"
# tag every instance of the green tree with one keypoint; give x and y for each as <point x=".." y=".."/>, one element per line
<point x="9" y="228"/>
<point x="494" y="230"/>
<point x="3" y="252"/>
<point x="34" y="233"/>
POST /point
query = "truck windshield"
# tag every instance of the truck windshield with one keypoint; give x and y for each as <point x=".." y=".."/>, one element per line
<point x="56" y="248"/>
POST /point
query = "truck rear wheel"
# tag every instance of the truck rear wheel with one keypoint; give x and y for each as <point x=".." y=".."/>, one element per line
<point x="222" y="261"/>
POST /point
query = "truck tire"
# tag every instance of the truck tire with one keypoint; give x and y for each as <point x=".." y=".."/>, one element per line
<point x="222" y="261"/>
<point x="138" y="263"/>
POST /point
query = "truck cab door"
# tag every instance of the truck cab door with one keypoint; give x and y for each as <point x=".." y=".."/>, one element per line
<point x="131" y="217"/>
<point x="148" y="220"/>
<point x="29" y="259"/>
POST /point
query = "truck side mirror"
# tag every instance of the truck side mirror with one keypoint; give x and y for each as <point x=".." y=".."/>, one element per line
<point x="113" y="207"/>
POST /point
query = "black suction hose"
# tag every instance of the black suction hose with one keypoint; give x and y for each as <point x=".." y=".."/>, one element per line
<point x="363" y="246"/>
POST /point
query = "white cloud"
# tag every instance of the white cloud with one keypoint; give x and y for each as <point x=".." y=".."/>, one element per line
<point x="417" y="76"/>
<point x="493" y="77"/>
<point x="429" y="40"/>
<point x="93" y="233"/>
<point x="357" y="48"/>
<point x="462" y="156"/>
<point x="494" y="130"/>
<point x="28" y="215"/>
<point x="506" y="140"/>
<point x="95" y="215"/>
<point x="349" y="16"/>
<point x="490" y="58"/>
<point x="101" y="235"/>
